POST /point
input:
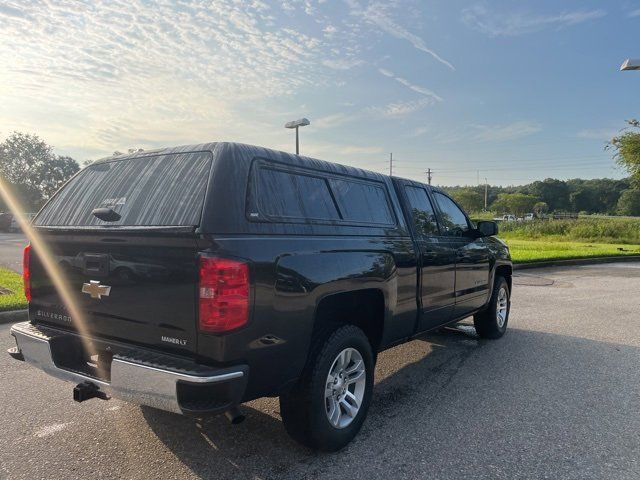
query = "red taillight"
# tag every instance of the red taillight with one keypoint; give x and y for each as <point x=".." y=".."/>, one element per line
<point x="224" y="294"/>
<point x="26" y="271"/>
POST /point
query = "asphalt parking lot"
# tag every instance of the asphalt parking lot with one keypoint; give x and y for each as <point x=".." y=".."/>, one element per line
<point x="557" y="397"/>
<point x="11" y="246"/>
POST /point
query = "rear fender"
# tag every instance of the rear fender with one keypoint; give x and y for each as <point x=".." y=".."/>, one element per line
<point x="303" y="281"/>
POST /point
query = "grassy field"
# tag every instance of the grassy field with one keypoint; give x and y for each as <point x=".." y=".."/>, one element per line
<point x="568" y="239"/>
<point x="526" y="251"/>
<point x="14" y="299"/>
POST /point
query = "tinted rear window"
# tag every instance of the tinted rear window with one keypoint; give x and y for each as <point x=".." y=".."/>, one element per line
<point x="301" y="196"/>
<point x="362" y="202"/>
<point x="289" y="195"/>
<point x="161" y="190"/>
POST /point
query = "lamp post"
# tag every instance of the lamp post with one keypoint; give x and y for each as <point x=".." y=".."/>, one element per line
<point x="303" y="122"/>
<point x="630" y="64"/>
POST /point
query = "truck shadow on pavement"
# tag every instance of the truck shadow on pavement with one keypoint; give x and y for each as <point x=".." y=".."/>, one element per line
<point x="444" y="398"/>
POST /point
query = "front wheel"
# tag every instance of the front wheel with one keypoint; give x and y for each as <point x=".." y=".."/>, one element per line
<point x="327" y="407"/>
<point x="492" y="322"/>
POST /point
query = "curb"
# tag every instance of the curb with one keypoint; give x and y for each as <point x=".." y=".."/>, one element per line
<point x="14" y="316"/>
<point x="576" y="262"/>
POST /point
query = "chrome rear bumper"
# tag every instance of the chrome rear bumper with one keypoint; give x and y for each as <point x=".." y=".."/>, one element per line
<point x="136" y="376"/>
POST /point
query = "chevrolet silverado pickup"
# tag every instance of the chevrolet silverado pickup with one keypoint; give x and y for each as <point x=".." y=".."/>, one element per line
<point x="205" y="276"/>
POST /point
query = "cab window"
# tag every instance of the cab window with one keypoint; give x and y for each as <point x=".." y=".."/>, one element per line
<point x="424" y="218"/>
<point x="452" y="219"/>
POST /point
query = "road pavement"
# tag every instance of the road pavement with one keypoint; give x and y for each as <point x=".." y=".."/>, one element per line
<point x="557" y="397"/>
<point x="11" y="246"/>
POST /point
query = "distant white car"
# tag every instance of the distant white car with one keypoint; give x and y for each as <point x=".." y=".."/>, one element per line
<point x="505" y="218"/>
<point x="14" y="227"/>
<point x="528" y="217"/>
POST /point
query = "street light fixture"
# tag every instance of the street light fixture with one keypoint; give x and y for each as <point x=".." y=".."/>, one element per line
<point x="303" y="122"/>
<point x="630" y="64"/>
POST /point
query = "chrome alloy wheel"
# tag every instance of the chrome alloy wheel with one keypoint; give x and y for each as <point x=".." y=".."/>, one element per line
<point x="345" y="386"/>
<point x="502" y="307"/>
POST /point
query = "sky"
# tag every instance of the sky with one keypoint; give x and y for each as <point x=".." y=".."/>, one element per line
<point x="507" y="91"/>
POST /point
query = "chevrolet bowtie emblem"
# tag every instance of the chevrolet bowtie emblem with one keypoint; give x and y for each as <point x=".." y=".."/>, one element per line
<point x="96" y="290"/>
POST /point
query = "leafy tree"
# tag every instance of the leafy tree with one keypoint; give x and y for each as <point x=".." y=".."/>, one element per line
<point x="469" y="200"/>
<point x="598" y="195"/>
<point x="540" y="208"/>
<point x="607" y="192"/>
<point x="583" y="200"/>
<point x="514" y="203"/>
<point x="29" y="165"/>
<point x="629" y="203"/>
<point x="554" y="193"/>
<point x="627" y="149"/>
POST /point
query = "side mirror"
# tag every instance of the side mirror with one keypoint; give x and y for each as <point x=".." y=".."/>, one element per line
<point x="487" y="228"/>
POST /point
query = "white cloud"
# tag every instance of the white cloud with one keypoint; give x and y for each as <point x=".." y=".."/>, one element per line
<point x="418" y="132"/>
<point x="334" y="120"/>
<point x="375" y="14"/>
<point x="634" y="13"/>
<point x="354" y="149"/>
<point x="503" y="133"/>
<point x="416" y="88"/>
<point x="604" y="134"/>
<point x="330" y="29"/>
<point x="342" y="63"/>
<point x="400" y="109"/>
<point x="497" y="24"/>
<point x="124" y="73"/>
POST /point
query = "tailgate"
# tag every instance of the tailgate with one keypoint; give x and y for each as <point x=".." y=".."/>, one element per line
<point x="132" y="288"/>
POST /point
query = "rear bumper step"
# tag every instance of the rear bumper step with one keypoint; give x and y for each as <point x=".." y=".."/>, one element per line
<point x="134" y="375"/>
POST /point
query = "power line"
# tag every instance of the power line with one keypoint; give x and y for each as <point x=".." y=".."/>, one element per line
<point x="519" y="167"/>
<point x="519" y="162"/>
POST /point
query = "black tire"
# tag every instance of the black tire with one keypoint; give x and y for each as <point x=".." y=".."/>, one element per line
<point x="487" y="322"/>
<point x="303" y="408"/>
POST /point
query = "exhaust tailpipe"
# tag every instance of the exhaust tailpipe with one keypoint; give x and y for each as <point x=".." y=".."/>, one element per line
<point x="234" y="415"/>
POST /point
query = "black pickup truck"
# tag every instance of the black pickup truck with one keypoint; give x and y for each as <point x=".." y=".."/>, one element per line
<point x="193" y="279"/>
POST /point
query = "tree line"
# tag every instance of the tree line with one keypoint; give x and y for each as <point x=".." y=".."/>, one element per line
<point x="32" y="170"/>
<point x="602" y="196"/>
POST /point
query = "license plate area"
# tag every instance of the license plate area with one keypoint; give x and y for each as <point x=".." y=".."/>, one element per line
<point x="71" y="354"/>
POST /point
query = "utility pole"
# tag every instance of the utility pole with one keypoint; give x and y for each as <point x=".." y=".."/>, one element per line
<point x="428" y="172"/>
<point x="478" y="173"/>
<point x="486" y="193"/>
<point x="391" y="164"/>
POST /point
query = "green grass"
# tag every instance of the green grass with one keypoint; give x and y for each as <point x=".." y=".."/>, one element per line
<point x="586" y="237"/>
<point x="525" y="251"/>
<point x="13" y="282"/>
<point x="615" y="230"/>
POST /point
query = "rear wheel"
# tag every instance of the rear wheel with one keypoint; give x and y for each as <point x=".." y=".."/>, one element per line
<point x="328" y="405"/>
<point x="492" y="322"/>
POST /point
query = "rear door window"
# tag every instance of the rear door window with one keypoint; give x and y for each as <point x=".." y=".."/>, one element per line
<point x="424" y="218"/>
<point x="362" y="202"/>
<point x="160" y="190"/>
<point x="289" y="195"/>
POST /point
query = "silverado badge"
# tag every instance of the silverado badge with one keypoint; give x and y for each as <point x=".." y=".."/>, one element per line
<point x="96" y="290"/>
